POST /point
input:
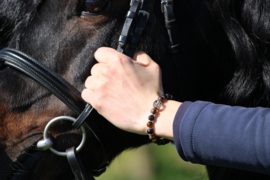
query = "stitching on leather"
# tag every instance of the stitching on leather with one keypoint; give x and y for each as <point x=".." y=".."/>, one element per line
<point x="46" y="69"/>
<point x="83" y="115"/>
<point x="74" y="106"/>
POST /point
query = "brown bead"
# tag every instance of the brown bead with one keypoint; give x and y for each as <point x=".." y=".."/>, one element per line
<point x="153" y="110"/>
<point x="150" y="124"/>
<point x="160" y="98"/>
<point x="152" y="137"/>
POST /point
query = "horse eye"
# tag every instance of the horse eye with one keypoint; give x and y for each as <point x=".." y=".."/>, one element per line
<point x="96" y="6"/>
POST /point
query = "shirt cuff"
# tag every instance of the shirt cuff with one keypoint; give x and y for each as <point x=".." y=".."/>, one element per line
<point x="176" y="127"/>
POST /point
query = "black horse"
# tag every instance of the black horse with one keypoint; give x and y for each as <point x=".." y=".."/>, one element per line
<point x="63" y="35"/>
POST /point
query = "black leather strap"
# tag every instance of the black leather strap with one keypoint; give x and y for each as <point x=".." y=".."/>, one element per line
<point x="76" y="165"/>
<point x="139" y="29"/>
<point x="171" y="25"/>
<point x="128" y="26"/>
<point x="98" y="172"/>
<point x="137" y="34"/>
<point x="54" y="83"/>
<point x="45" y="77"/>
<point x="81" y="119"/>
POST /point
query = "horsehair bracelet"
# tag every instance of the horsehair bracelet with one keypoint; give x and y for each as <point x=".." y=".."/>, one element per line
<point x="156" y="107"/>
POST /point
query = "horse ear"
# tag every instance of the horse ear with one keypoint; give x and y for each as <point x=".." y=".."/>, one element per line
<point x="14" y="16"/>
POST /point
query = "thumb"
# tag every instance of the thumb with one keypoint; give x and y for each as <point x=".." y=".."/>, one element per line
<point x="142" y="58"/>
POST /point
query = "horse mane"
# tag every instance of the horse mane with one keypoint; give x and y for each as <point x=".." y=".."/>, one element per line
<point x="14" y="17"/>
<point x="246" y="24"/>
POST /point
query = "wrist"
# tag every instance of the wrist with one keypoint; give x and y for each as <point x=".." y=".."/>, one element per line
<point x="160" y="121"/>
<point x="163" y="123"/>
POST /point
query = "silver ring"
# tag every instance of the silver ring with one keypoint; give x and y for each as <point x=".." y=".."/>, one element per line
<point x="45" y="134"/>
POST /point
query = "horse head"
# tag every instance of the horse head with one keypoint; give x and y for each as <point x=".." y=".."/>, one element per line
<point x="62" y="35"/>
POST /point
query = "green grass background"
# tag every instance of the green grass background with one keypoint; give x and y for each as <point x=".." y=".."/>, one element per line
<point x="152" y="162"/>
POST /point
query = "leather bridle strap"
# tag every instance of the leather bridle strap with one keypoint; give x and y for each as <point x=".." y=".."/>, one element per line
<point x="55" y="84"/>
<point x="82" y="117"/>
<point x="129" y="39"/>
<point x="124" y="38"/>
<point x="170" y="24"/>
<point x="143" y="16"/>
<point x="135" y="23"/>
<point x="45" y="77"/>
<point x="123" y="47"/>
<point x="48" y="79"/>
<point x="76" y="165"/>
<point x="131" y="18"/>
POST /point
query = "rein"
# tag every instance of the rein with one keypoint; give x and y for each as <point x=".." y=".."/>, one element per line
<point x="59" y="87"/>
<point x="135" y="23"/>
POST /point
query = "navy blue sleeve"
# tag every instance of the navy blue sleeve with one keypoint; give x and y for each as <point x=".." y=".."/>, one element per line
<point x="222" y="135"/>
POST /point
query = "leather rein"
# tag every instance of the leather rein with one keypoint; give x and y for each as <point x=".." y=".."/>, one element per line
<point x="135" y="23"/>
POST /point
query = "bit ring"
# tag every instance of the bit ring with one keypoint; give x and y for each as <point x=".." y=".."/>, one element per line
<point x="60" y="118"/>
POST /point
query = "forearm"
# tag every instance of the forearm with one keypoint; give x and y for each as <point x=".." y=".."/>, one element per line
<point x="221" y="135"/>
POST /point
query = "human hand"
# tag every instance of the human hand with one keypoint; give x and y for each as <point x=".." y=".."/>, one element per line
<point x="123" y="90"/>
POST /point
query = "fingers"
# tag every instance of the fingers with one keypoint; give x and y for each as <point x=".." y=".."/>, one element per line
<point x="105" y="55"/>
<point x="87" y="95"/>
<point x="95" y="88"/>
<point x="90" y="83"/>
<point x="99" y="69"/>
<point x="142" y="58"/>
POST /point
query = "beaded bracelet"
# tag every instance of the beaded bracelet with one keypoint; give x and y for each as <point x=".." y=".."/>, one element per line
<point x="156" y="107"/>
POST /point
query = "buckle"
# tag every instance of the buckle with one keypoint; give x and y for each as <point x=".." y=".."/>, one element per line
<point x="131" y="2"/>
<point x="166" y="2"/>
<point x="145" y="13"/>
<point x="142" y="1"/>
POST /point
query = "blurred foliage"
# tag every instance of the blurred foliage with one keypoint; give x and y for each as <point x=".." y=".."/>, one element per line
<point x="152" y="162"/>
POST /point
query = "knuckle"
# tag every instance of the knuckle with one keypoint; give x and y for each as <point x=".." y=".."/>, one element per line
<point x="93" y="69"/>
<point x="117" y="59"/>
<point x="105" y="71"/>
<point x="102" y="84"/>
<point x="125" y="62"/>
<point x="156" y="67"/>
<point x="120" y="60"/>
<point x="98" y="103"/>
<point x="87" y="82"/>
<point x="95" y="101"/>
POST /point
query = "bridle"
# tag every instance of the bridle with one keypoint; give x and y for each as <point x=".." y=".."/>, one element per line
<point x="60" y="88"/>
<point x="135" y="23"/>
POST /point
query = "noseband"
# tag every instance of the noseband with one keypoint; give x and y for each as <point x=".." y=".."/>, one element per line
<point x="60" y="88"/>
<point x="135" y="23"/>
